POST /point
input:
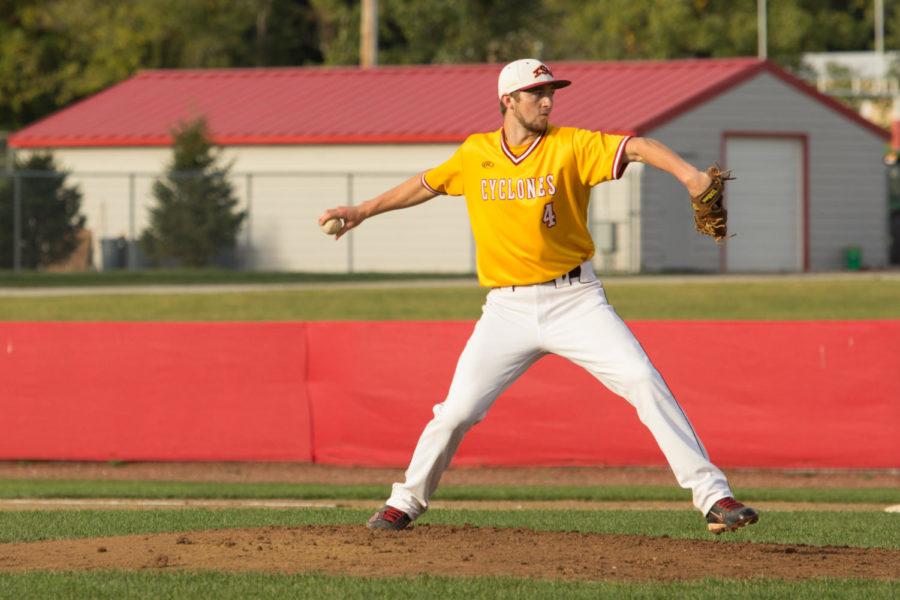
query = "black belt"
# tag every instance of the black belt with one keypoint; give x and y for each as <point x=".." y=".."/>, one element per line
<point x="573" y="274"/>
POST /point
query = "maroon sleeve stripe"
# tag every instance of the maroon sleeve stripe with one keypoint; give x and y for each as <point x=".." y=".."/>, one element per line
<point x="428" y="187"/>
<point x="620" y="162"/>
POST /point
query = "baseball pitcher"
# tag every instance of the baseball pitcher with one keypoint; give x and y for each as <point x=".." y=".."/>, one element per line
<point x="527" y="187"/>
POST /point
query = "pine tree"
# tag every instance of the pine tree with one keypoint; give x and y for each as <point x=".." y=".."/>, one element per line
<point x="50" y="217"/>
<point x="195" y="217"/>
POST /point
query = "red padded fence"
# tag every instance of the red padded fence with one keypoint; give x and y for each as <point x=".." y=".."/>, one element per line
<point x="153" y="391"/>
<point x="766" y="394"/>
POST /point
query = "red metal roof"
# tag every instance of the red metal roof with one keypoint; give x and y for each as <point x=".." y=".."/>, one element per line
<point x="390" y="104"/>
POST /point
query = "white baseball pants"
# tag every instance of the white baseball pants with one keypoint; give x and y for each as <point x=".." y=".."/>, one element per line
<point x="518" y="326"/>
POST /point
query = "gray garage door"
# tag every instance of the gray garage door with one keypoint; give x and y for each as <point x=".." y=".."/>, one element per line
<point x="765" y="204"/>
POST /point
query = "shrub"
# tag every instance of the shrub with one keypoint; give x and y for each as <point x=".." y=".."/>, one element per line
<point x="195" y="217"/>
<point x="51" y="213"/>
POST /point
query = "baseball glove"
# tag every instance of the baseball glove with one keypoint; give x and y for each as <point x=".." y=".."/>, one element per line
<point x="710" y="217"/>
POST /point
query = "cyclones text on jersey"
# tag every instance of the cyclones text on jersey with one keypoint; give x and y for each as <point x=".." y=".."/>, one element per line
<point x="518" y="189"/>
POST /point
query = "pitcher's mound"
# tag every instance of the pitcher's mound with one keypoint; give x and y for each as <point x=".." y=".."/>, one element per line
<point x="455" y="551"/>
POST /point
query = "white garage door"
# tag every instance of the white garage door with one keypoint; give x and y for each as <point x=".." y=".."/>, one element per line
<point x="765" y="204"/>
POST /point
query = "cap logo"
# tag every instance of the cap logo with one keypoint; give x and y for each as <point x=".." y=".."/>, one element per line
<point x="541" y="70"/>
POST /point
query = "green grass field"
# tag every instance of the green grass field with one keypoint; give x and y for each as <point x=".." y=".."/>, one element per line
<point x="54" y="488"/>
<point x="817" y="528"/>
<point x="33" y="279"/>
<point x="243" y="586"/>
<point x="846" y="529"/>
<point x="861" y="529"/>
<point x="789" y="299"/>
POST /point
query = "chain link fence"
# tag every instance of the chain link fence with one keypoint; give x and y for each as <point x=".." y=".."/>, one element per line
<point x="280" y="231"/>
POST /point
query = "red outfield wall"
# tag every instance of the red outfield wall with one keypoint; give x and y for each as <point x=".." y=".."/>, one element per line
<point x="767" y="394"/>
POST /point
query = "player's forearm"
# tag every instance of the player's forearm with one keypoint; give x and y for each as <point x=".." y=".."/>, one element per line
<point x="409" y="193"/>
<point x="657" y="154"/>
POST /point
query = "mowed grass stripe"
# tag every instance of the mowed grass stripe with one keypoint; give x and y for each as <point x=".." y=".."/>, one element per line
<point x="48" y="488"/>
<point x="301" y="305"/>
<point x="806" y="527"/>
<point x="239" y="586"/>
<point x="791" y="299"/>
<point x="33" y="279"/>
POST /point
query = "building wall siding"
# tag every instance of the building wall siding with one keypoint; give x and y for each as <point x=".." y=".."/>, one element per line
<point x="847" y="193"/>
<point x="286" y="188"/>
<point x="616" y="204"/>
<point x="289" y="186"/>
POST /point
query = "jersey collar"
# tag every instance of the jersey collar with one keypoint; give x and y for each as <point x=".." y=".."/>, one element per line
<point x="509" y="153"/>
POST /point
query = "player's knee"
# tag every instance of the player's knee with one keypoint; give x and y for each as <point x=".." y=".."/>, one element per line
<point x="639" y="373"/>
<point x="459" y="420"/>
<point x="456" y="417"/>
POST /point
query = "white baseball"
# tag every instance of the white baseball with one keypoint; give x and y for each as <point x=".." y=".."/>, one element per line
<point x="332" y="226"/>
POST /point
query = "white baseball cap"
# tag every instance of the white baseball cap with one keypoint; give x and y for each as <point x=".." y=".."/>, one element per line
<point x="525" y="74"/>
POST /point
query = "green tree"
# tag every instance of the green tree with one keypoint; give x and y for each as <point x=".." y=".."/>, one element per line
<point x="51" y="214"/>
<point x="283" y="33"/>
<point x="436" y="31"/>
<point x="53" y="52"/>
<point x="195" y="217"/>
<point x="665" y="29"/>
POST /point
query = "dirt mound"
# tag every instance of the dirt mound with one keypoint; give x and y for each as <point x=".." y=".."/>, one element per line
<point x="455" y="551"/>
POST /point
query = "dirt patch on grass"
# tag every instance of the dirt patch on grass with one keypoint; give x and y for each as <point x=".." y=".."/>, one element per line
<point x="456" y="551"/>
<point x="307" y="473"/>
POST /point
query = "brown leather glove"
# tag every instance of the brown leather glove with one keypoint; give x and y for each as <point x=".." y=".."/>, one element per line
<point x="710" y="217"/>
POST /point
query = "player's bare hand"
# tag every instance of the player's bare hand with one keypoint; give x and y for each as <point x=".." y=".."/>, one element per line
<point x="697" y="183"/>
<point x="351" y="216"/>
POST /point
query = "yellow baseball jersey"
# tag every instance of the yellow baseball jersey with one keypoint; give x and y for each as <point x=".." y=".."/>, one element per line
<point x="528" y="205"/>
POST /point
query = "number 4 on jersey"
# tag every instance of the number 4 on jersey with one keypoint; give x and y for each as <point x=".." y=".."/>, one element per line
<point x="549" y="216"/>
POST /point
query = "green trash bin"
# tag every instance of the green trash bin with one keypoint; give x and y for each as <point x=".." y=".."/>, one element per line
<point x="853" y="258"/>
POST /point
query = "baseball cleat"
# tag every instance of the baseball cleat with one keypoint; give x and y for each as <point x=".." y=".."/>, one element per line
<point x="389" y="518"/>
<point x="729" y="515"/>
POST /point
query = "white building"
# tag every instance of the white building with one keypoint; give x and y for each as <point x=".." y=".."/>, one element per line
<point x="810" y="177"/>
